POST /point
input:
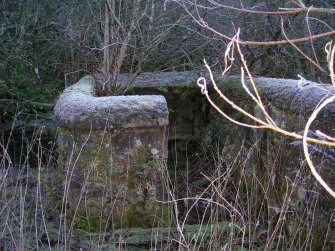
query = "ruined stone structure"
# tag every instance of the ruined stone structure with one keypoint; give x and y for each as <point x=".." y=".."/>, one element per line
<point x="112" y="147"/>
<point x="275" y="160"/>
<point x="112" y="151"/>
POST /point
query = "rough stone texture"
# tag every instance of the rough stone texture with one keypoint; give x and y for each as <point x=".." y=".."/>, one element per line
<point x="300" y="97"/>
<point x="113" y="152"/>
<point x="286" y="94"/>
<point x="283" y="158"/>
<point x="270" y="153"/>
<point x="191" y="115"/>
<point x="164" y="79"/>
<point x="87" y="111"/>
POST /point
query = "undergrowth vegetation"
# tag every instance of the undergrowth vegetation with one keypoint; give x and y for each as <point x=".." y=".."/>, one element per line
<point x="219" y="200"/>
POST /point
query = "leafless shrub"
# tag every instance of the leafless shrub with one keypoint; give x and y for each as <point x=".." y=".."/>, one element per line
<point x="267" y="32"/>
<point x="230" y="201"/>
<point x="195" y="11"/>
<point x="241" y="206"/>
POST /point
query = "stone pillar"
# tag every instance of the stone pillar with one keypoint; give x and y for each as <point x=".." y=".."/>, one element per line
<point x="113" y="152"/>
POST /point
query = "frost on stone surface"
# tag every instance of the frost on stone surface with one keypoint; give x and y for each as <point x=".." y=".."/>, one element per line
<point x="78" y="108"/>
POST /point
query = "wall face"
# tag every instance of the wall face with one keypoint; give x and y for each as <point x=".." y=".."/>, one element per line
<point x="284" y="160"/>
<point x="114" y="175"/>
<point x="127" y="172"/>
<point x="275" y="161"/>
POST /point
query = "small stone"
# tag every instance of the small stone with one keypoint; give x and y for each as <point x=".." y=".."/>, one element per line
<point x="154" y="151"/>
<point x="138" y="142"/>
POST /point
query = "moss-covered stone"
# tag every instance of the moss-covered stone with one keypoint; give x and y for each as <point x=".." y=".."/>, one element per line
<point x="115" y="178"/>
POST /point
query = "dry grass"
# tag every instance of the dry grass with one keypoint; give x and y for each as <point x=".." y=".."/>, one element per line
<point x="221" y="201"/>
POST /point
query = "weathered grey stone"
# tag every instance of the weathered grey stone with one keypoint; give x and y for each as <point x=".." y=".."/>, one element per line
<point x="78" y="108"/>
<point x="131" y="148"/>
<point x="113" y="151"/>
<point x="298" y="97"/>
<point x="273" y="159"/>
<point x="282" y="158"/>
<point x="164" y="79"/>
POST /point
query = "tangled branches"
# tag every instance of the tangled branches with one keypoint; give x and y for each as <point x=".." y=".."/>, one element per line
<point x="268" y="122"/>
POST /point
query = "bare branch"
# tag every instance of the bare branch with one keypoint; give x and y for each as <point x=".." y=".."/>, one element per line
<point x="330" y="50"/>
<point x="312" y="9"/>
<point x="305" y="147"/>
<point x="267" y="43"/>
<point x="299" y="50"/>
<point x="269" y="123"/>
<point x="200" y="21"/>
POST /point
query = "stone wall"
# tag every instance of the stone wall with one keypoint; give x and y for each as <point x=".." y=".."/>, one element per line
<point x="112" y="152"/>
<point x="275" y="160"/>
<point x="136" y="138"/>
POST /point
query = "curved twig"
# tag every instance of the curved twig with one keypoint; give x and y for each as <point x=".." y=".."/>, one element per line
<point x="305" y="146"/>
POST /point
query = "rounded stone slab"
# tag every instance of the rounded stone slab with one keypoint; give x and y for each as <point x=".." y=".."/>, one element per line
<point x="78" y="108"/>
<point x="301" y="99"/>
<point x="287" y="94"/>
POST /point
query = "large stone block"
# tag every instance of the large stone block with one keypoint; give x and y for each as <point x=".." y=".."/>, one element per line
<point x="113" y="153"/>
